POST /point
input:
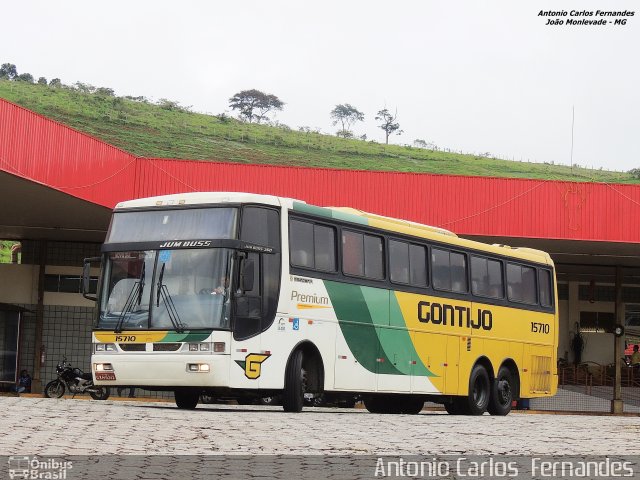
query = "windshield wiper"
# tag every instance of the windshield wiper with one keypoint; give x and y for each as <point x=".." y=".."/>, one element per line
<point x="141" y="289"/>
<point x="134" y="294"/>
<point x="163" y="292"/>
<point x="160" y="277"/>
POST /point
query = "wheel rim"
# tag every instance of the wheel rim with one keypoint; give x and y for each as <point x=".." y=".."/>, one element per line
<point x="504" y="392"/>
<point x="55" y="390"/>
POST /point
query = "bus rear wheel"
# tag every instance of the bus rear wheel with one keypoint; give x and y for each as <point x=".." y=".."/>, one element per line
<point x="479" y="391"/>
<point x="294" y="384"/>
<point x="502" y="393"/>
<point x="187" y="398"/>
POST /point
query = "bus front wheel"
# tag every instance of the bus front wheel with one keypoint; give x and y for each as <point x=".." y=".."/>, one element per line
<point x="502" y="393"/>
<point x="457" y="406"/>
<point x="187" y="398"/>
<point x="294" y="384"/>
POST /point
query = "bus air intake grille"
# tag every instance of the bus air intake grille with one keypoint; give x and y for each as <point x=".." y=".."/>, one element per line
<point x="133" y="347"/>
<point x="540" y="374"/>
<point x="166" y="347"/>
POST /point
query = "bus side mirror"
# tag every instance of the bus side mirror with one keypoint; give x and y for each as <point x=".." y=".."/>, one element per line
<point x="246" y="274"/>
<point x="86" y="278"/>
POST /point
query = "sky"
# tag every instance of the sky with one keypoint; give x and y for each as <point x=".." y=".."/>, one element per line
<point x="469" y="75"/>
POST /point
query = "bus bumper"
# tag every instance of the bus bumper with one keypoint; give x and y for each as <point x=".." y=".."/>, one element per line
<point x="161" y="370"/>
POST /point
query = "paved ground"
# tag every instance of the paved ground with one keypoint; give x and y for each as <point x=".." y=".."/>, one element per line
<point x="86" y="427"/>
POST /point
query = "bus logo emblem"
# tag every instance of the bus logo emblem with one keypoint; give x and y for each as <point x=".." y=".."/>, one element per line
<point x="296" y="324"/>
<point x="252" y="364"/>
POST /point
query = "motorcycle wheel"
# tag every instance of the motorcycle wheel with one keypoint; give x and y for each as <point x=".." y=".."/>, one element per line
<point x="101" y="393"/>
<point x="54" y="389"/>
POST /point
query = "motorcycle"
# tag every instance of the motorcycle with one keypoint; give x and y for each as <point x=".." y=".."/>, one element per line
<point x="74" y="380"/>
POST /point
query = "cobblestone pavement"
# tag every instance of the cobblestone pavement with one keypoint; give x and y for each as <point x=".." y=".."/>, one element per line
<point x="86" y="427"/>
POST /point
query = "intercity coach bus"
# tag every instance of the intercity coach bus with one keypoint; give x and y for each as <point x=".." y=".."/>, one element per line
<point x="245" y="296"/>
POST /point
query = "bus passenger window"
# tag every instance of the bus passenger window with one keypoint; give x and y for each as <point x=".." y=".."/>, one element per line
<point x="486" y="277"/>
<point x="418" y="265"/>
<point x="521" y="283"/>
<point x="449" y="270"/>
<point x="324" y="241"/>
<point x="373" y="258"/>
<point x="545" y="288"/>
<point x="398" y="261"/>
<point x="301" y="234"/>
<point x="362" y="255"/>
<point x="459" y="273"/>
<point x="352" y="253"/>
<point x="441" y="269"/>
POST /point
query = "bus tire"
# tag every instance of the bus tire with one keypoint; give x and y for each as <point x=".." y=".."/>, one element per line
<point x="376" y="404"/>
<point x="293" y="395"/>
<point x="502" y="392"/>
<point x="410" y="405"/>
<point x="187" y="398"/>
<point x="479" y="391"/>
<point x="457" y="406"/>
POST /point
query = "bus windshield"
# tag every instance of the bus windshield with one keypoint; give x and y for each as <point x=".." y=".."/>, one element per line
<point x="166" y="289"/>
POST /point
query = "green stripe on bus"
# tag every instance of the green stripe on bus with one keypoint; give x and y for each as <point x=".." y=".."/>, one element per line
<point x="185" y="337"/>
<point x="358" y="327"/>
<point x="404" y="338"/>
<point x="328" y="213"/>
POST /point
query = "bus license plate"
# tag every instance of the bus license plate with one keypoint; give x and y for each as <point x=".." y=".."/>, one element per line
<point x="105" y="376"/>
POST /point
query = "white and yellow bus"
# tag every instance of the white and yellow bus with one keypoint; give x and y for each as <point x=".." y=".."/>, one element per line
<point x="245" y="296"/>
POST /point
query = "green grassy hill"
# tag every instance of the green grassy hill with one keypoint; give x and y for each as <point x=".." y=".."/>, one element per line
<point x="150" y="130"/>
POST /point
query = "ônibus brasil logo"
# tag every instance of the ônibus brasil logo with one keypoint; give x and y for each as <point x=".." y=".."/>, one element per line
<point x="34" y="468"/>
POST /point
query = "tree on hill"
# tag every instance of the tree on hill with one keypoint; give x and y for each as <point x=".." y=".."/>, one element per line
<point x="389" y="124"/>
<point x="84" y="87"/>
<point x="346" y="115"/>
<point x="55" y="82"/>
<point x="254" y="104"/>
<point x="8" y="71"/>
<point x="24" y="77"/>
<point x="42" y="81"/>
<point x="105" y="92"/>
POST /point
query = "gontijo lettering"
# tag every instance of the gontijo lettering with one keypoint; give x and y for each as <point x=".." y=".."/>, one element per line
<point x="445" y="314"/>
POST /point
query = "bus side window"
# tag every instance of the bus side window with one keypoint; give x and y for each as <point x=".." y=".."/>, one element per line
<point x="449" y="270"/>
<point x="522" y="283"/>
<point x="418" y="265"/>
<point x="301" y="239"/>
<point x="353" y="253"/>
<point x="312" y="246"/>
<point x="441" y="269"/>
<point x="486" y="277"/>
<point x="398" y="261"/>
<point x="545" y="288"/>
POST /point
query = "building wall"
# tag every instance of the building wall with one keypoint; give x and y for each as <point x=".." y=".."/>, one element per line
<point x="67" y="317"/>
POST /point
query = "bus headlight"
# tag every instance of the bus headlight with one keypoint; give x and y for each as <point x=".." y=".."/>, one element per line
<point x="198" y="367"/>
<point x="105" y="347"/>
